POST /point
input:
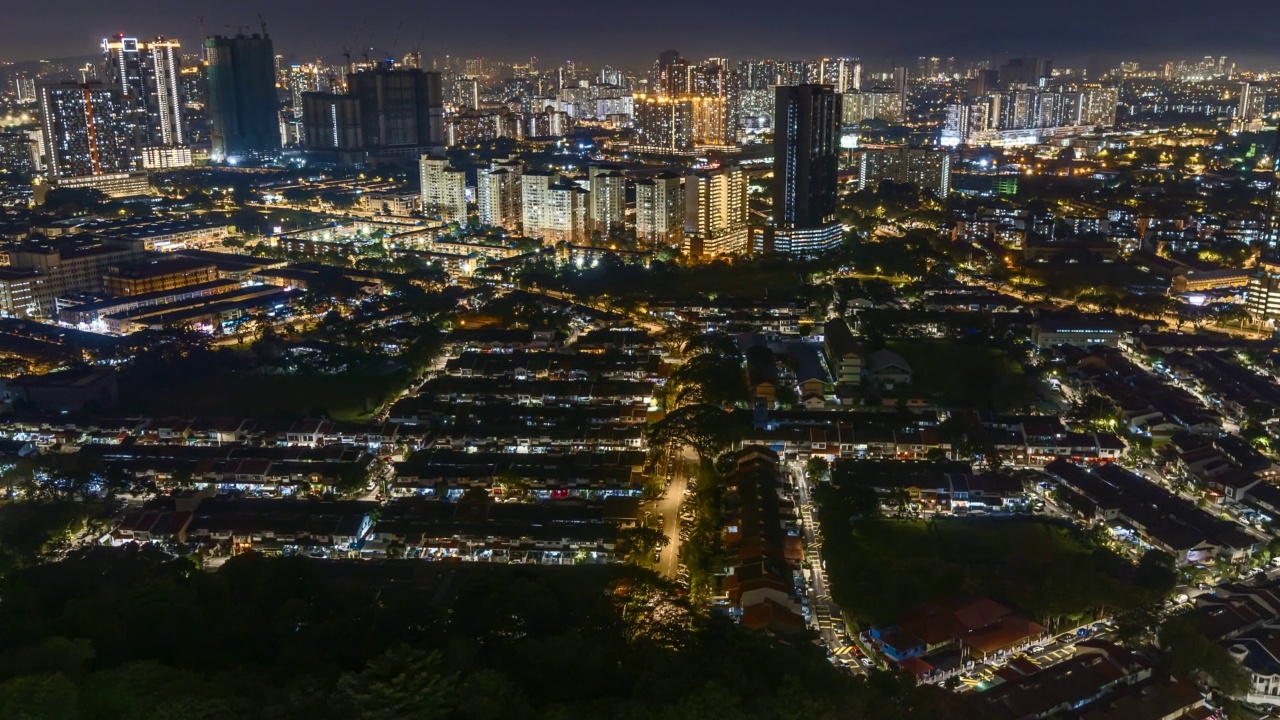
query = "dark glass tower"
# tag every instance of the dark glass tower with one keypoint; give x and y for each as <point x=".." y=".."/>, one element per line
<point x="1273" y="203"/>
<point x="400" y="109"/>
<point x="243" y="107"/>
<point x="806" y="147"/>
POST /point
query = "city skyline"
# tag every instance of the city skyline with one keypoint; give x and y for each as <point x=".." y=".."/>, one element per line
<point x="983" y="31"/>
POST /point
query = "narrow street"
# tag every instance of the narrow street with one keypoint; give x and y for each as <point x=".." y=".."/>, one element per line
<point x="825" y="614"/>
<point x="669" y="508"/>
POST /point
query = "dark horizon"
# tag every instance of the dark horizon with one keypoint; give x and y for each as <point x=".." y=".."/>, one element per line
<point x="1093" y="32"/>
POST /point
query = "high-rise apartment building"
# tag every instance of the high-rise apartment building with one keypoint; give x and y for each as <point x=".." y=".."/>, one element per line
<point x="608" y="197"/>
<point x="663" y="124"/>
<point x="401" y="110"/>
<point x="85" y="130"/>
<point x="1273" y="203"/>
<point x="552" y="208"/>
<point x="387" y="114"/>
<point x="673" y="125"/>
<point x="1028" y="71"/>
<point x="466" y="93"/>
<point x="243" y="107"/>
<point x="928" y="168"/>
<point x="24" y="88"/>
<point x="844" y="74"/>
<point x="1250" y="107"/>
<point x="1025" y="116"/>
<point x="715" y="214"/>
<point x="660" y="206"/>
<point x="708" y="120"/>
<point x="806" y="148"/>
<point x="884" y="105"/>
<point x="498" y="195"/>
<point x="331" y="131"/>
<point x="147" y="74"/>
<point x="444" y="190"/>
<point x="901" y="85"/>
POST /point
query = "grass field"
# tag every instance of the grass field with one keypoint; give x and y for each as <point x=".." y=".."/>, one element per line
<point x="341" y="397"/>
<point x="1071" y="278"/>
<point x="881" y="569"/>
<point x="966" y="374"/>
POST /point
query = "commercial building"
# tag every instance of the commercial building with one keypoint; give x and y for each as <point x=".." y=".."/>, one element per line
<point x="85" y="131"/>
<point x="928" y="168"/>
<point x="715" y="212"/>
<point x="157" y="274"/>
<point x="243" y="107"/>
<point x="93" y="313"/>
<point x="113" y="185"/>
<point x="70" y="265"/>
<point x="660" y="207"/>
<point x="498" y="194"/>
<point x="444" y="190"/>
<point x="806" y="145"/>
<point x="1262" y="295"/>
<point x="1080" y="332"/>
<point x="167" y="236"/>
<point x="147" y="76"/>
<point x="552" y="208"/>
<point x="608" y="198"/>
<point x="391" y="203"/>
<point x="18" y="292"/>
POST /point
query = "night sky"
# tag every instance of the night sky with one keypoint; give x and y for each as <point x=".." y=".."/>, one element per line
<point x="630" y="33"/>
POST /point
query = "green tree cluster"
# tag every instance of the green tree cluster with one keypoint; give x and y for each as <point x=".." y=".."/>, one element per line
<point x="127" y="634"/>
